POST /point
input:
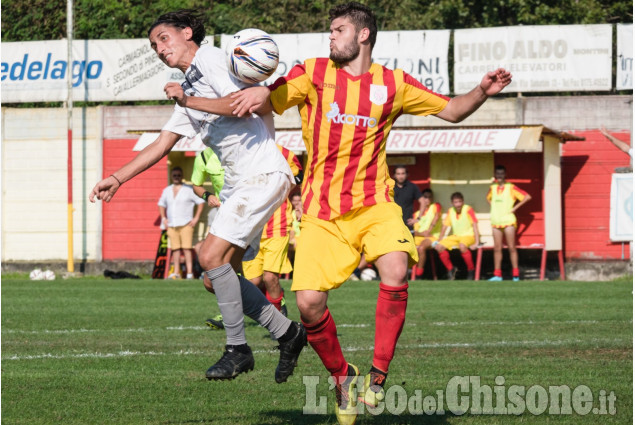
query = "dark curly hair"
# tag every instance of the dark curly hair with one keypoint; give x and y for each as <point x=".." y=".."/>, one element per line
<point x="360" y="15"/>
<point x="183" y="18"/>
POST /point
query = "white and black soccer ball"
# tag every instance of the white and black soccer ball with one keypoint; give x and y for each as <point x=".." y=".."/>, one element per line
<point x="49" y="275"/>
<point x="36" y="274"/>
<point x="368" y="274"/>
<point x="252" y="55"/>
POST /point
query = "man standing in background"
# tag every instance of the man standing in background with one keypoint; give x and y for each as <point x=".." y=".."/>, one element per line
<point x="406" y="193"/>
<point x="175" y="207"/>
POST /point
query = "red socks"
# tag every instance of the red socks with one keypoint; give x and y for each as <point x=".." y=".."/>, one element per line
<point x="467" y="257"/>
<point x="389" y="319"/>
<point x="445" y="259"/>
<point x="498" y="273"/>
<point x="277" y="303"/>
<point x="322" y="336"/>
<point x="418" y="271"/>
<point x="515" y="273"/>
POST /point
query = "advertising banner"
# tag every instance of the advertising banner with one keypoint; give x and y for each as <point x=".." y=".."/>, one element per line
<point x="621" y="228"/>
<point x="421" y="141"/>
<point x="624" y="60"/>
<point x="541" y="58"/>
<point x="102" y="70"/>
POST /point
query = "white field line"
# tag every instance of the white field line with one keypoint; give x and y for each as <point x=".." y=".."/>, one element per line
<point x="342" y="325"/>
<point x="530" y="322"/>
<point x="534" y="343"/>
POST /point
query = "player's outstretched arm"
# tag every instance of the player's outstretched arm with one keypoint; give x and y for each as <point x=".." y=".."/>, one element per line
<point x="106" y="189"/>
<point x="463" y="106"/>
<point x="250" y="100"/>
<point x="219" y="106"/>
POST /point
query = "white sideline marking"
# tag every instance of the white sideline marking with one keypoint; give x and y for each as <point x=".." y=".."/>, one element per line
<point x="531" y="322"/>
<point x="126" y="353"/>
<point x="343" y="325"/>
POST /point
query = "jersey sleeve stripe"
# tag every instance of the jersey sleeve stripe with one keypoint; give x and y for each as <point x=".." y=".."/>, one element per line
<point x="408" y="79"/>
<point x="472" y="215"/>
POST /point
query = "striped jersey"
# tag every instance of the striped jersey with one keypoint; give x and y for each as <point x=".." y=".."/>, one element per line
<point x="345" y="123"/>
<point x="279" y="225"/>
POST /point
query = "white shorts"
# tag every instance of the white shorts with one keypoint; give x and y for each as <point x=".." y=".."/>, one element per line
<point x="246" y="207"/>
<point x="211" y="215"/>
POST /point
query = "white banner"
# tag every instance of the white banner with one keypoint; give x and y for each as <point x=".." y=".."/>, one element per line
<point x="624" y="64"/>
<point x="102" y="70"/>
<point x="621" y="228"/>
<point x="540" y="58"/>
<point x="399" y="141"/>
<point x="422" y="54"/>
<point x="421" y="141"/>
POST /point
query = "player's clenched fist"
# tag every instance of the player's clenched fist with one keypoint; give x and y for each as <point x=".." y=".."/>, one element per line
<point x="105" y="189"/>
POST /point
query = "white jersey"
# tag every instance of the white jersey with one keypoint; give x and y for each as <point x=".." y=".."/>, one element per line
<point x="245" y="146"/>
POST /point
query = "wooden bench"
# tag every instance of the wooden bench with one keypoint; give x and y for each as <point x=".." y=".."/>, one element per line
<point x="487" y="243"/>
<point x="543" y="259"/>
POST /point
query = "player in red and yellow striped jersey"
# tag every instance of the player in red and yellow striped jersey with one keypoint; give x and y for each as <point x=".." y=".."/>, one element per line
<point x="502" y="196"/>
<point x="272" y="259"/>
<point x="462" y="222"/>
<point x="348" y="106"/>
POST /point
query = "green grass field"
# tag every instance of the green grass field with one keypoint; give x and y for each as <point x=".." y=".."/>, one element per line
<point x="96" y="351"/>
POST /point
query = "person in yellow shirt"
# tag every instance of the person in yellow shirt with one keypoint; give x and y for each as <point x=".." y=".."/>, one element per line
<point x="463" y="225"/>
<point x="294" y="235"/>
<point x="502" y="196"/>
<point x="427" y="228"/>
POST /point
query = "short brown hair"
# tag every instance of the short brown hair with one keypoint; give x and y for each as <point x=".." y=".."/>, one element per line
<point x="360" y="15"/>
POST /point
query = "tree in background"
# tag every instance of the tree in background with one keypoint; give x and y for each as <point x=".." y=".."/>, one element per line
<point x="46" y="19"/>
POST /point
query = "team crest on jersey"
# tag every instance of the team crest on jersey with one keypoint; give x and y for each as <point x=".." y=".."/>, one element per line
<point x="378" y="94"/>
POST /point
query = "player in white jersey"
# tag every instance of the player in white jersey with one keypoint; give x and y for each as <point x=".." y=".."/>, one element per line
<point x="257" y="181"/>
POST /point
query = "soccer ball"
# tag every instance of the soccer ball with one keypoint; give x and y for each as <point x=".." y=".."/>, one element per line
<point x="252" y="55"/>
<point x="36" y="274"/>
<point x="369" y="274"/>
<point x="49" y="275"/>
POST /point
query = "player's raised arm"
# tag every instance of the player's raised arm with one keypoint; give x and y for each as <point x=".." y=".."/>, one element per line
<point x="463" y="106"/>
<point x="150" y="155"/>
